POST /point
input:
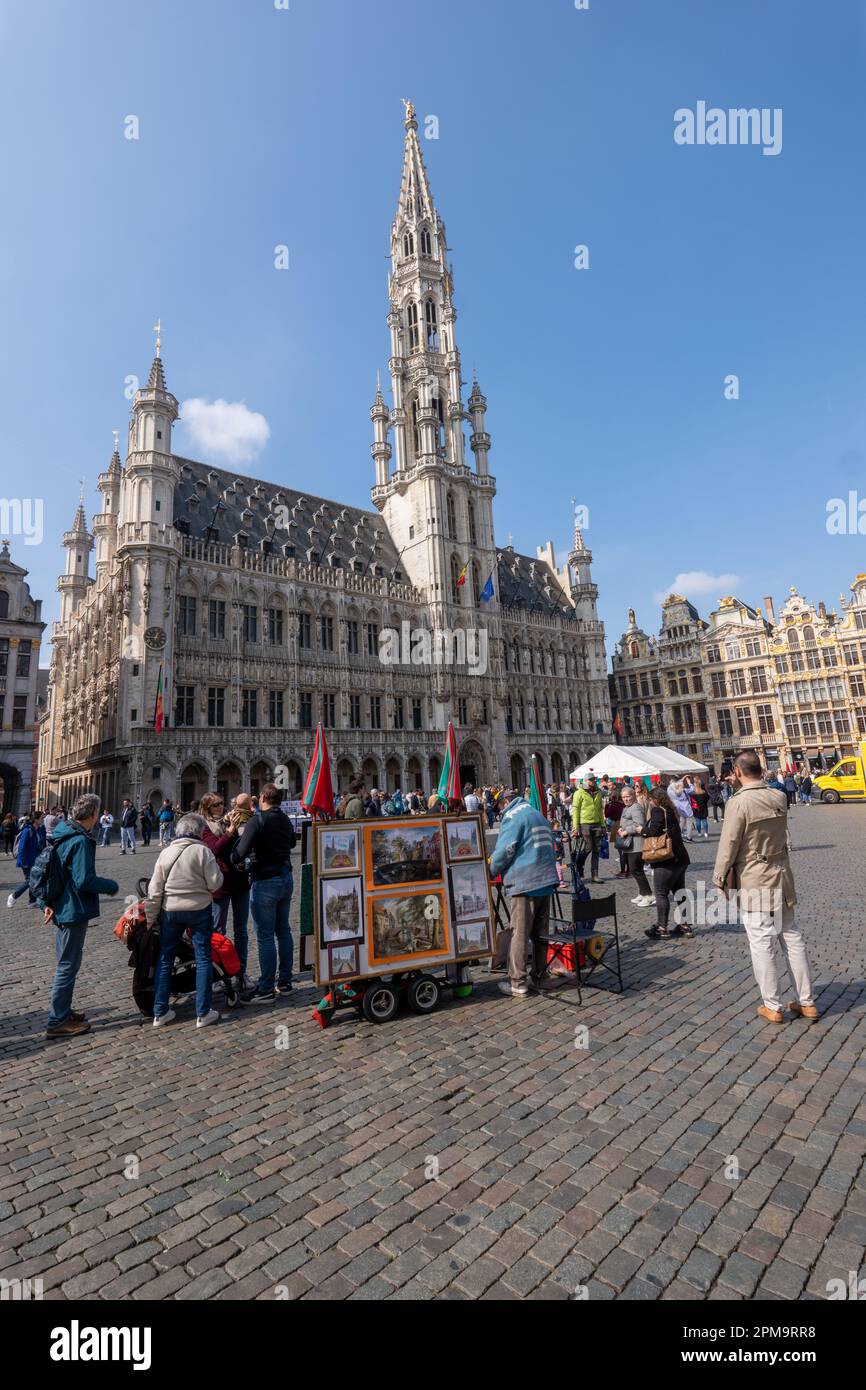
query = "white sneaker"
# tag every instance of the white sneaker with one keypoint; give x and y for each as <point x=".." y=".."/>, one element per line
<point x="647" y="901"/>
<point x="638" y="901"/>
<point x="516" y="991"/>
<point x="11" y="900"/>
<point x="164" y="1018"/>
<point x="212" y="1017"/>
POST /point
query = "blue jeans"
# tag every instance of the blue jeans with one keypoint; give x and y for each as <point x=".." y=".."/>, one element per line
<point x="127" y="838"/>
<point x="270" y="899"/>
<point x="172" y="927"/>
<point x="105" y="838"/>
<point x="68" y="950"/>
<point x="701" y="826"/>
<point x="24" y="887"/>
<point x="240" y="903"/>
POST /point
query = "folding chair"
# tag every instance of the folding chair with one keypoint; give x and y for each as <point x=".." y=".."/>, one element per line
<point x="559" y="937"/>
<point x="597" y="910"/>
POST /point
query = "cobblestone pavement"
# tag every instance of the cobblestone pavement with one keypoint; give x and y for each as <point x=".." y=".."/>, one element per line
<point x="309" y="1171"/>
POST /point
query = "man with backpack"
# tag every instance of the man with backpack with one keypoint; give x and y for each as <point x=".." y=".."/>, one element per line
<point x="267" y="843"/>
<point x="165" y="818"/>
<point x="128" y="820"/>
<point x="30" y="841"/>
<point x="67" y="887"/>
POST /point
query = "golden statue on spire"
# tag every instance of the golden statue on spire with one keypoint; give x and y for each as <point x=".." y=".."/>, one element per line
<point x="157" y="328"/>
<point x="410" y="109"/>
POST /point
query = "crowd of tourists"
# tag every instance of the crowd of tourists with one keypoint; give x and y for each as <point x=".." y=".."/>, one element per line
<point x="649" y="825"/>
<point x="215" y="862"/>
<point x="219" y="864"/>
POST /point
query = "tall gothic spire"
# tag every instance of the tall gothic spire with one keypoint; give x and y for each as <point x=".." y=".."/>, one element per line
<point x="416" y="200"/>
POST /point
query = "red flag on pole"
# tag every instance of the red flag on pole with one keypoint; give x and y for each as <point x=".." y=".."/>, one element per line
<point x="159" y="707"/>
<point x="449" y="783"/>
<point x="318" y="796"/>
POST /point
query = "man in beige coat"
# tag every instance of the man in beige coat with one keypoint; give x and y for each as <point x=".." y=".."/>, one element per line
<point x="754" y="844"/>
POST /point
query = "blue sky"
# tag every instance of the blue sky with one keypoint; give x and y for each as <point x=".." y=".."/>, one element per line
<point x="260" y="127"/>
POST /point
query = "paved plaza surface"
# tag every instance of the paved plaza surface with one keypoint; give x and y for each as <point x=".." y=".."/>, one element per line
<point x="691" y="1151"/>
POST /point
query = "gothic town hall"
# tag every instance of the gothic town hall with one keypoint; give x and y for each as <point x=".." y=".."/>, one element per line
<point x="258" y="609"/>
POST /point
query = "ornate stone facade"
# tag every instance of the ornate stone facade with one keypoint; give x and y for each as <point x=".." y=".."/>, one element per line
<point x="793" y="687"/>
<point x="262" y="610"/>
<point x="21" y="629"/>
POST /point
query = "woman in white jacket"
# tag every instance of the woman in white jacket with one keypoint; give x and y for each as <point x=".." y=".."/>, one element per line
<point x="180" y="897"/>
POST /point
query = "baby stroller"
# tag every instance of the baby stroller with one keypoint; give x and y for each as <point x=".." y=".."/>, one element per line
<point x="142" y="942"/>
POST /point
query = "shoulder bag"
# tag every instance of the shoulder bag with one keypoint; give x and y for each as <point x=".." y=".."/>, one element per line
<point x="658" y="847"/>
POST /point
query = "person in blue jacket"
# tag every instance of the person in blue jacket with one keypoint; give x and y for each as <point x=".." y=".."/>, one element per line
<point x="525" y="858"/>
<point x="31" y="842"/>
<point x="71" y="911"/>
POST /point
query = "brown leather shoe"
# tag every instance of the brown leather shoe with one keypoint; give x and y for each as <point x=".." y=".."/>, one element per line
<point x="69" y="1028"/>
<point x="807" y="1011"/>
<point x="771" y="1015"/>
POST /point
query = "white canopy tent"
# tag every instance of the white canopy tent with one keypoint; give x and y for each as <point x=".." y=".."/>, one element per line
<point x="636" y="760"/>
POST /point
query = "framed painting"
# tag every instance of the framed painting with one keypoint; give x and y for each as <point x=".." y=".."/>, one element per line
<point x="343" y="962"/>
<point x="339" y="851"/>
<point x="473" y="938"/>
<point x="406" y="926"/>
<point x="405" y="853"/>
<point x="341" y="917"/>
<point x="463" y="840"/>
<point x="469" y="890"/>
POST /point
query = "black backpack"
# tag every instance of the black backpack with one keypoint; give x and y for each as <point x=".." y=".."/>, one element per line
<point x="48" y="877"/>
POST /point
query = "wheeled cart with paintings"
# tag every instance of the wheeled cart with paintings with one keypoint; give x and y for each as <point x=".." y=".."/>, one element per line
<point x="402" y="907"/>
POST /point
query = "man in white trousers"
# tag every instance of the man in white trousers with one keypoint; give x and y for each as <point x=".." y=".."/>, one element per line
<point x="754" y="845"/>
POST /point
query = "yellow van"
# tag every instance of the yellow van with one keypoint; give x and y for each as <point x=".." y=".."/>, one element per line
<point x="844" y="782"/>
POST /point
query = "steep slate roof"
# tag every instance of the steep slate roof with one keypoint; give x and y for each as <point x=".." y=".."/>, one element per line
<point x="319" y="527"/>
<point x="331" y="531"/>
<point x="524" y="582"/>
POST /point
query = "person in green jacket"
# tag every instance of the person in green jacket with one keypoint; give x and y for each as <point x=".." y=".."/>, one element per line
<point x="77" y="905"/>
<point x="587" y="820"/>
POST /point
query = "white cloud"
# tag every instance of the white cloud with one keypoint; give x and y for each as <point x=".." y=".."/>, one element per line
<point x="224" y="431"/>
<point x="694" y="583"/>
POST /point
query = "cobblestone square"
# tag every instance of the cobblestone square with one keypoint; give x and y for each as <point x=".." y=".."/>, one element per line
<point x="477" y="1153"/>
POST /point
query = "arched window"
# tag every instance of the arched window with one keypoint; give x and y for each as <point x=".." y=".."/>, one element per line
<point x="431" y="325"/>
<point x="634" y="650"/>
<point x="4" y="604"/>
<point x="412" y="321"/>
<point x="793" y="638"/>
<point x="476" y="584"/>
<point x="473" y="535"/>
<point x="451" y="517"/>
<point x="808" y="635"/>
<point x="426" y="242"/>
<point x="440" y="418"/>
<point x="408" y="245"/>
